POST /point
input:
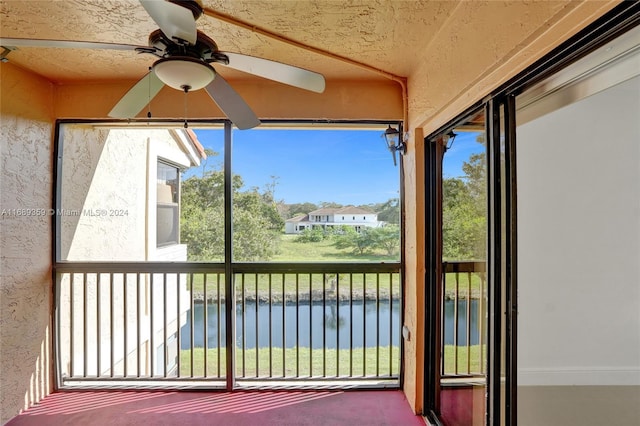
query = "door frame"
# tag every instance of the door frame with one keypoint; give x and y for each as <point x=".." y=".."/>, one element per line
<point x="500" y="119"/>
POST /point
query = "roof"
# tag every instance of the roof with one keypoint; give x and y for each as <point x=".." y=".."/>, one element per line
<point x="301" y="218"/>
<point x="196" y="143"/>
<point x="340" y="210"/>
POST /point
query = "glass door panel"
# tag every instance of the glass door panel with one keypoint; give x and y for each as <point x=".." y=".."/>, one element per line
<point x="464" y="321"/>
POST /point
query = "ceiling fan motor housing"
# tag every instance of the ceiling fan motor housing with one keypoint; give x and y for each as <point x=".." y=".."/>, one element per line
<point x="205" y="49"/>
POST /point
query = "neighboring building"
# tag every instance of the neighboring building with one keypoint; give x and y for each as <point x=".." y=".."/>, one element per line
<point x="330" y="217"/>
<point x="134" y="217"/>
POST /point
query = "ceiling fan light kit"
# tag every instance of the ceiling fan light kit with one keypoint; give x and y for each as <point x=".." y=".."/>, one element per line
<point x="184" y="73"/>
<point x="185" y="57"/>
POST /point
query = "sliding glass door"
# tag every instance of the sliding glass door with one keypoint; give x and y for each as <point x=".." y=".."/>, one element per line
<point x="469" y="292"/>
<point x="558" y="311"/>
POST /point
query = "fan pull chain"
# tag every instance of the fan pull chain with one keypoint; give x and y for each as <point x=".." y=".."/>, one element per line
<point x="186" y="90"/>
<point x="149" y="104"/>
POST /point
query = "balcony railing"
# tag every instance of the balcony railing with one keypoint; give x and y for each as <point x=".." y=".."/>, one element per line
<point x="464" y="319"/>
<point x="160" y="324"/>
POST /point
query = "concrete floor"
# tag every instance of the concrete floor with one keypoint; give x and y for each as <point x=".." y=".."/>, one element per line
<point x="579" y="405"/>
<point x="243" y="408"/>
<point x="549" y="406"/>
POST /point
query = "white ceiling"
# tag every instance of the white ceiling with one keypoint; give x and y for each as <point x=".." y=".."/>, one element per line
<point x="373" y="32"/>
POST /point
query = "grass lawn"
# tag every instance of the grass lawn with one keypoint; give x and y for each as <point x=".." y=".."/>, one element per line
<point x="465" y="281"/>
<point x="292" y="251"/>
<point x="463" y="368"/>
<point x="303" y="284"/>
<point x="292" y="363"/>
<point x="323" y="251"/>
<point x="310" y="362"/>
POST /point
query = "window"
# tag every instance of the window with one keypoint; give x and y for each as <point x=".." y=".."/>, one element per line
<point x="168" y="212"/>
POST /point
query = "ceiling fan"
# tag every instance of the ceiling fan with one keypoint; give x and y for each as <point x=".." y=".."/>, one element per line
<point x="185" y="57"/>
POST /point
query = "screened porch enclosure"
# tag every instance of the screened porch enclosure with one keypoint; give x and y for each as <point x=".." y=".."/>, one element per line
<point x="173" y="271"/>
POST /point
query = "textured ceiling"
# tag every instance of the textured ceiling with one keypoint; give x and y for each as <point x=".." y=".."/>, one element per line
<point x="384" y="34"/>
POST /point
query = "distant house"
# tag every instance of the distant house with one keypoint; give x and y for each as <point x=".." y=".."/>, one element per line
<point x="324" y="218"/>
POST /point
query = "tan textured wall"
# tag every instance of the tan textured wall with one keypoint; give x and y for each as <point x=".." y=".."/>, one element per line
<point x="381" y="100"/>
<point x="25" y="258"/>
<point x="485" y="45"/>
<point x="413" y="357"/>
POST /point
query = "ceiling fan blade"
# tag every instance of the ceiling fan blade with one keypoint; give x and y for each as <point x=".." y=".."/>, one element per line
<point x="174" y="20"/>
<point x="67" y="44"/>
<point x="277" y="71"/>
<point x="137" y="97"/>
<point x="232" y="104"/>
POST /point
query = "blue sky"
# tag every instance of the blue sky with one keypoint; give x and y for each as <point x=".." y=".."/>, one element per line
<point x="463" y="147"/>
<point x="342" y="166"/>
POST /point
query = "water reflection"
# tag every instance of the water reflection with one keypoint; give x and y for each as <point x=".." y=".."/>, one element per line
<point x="332" y="325"/>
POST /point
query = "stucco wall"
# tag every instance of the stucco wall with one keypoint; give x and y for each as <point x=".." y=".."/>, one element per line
<point x="487" y="43"/>
<point x="341" y="100"/>
<point x="26" y="116"/>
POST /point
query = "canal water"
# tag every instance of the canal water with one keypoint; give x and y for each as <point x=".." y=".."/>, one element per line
<point x="334" y="325"/>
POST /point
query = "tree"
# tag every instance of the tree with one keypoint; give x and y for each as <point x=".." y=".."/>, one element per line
<point x="296" y="209"/>
<point x="311" y="235"/>
<point x="206" y="162"/>
<point x="359" y="242"/>
<point x="386" y="238"/>
<point x="465" y="211"/>
<point x="256" y="226"/>
<point x="368" y="240"/>
<point x="330" y="205"/>
<point x="202" y="216"/>
<point x="389" y="211"/>
<point x="256" y="222"/>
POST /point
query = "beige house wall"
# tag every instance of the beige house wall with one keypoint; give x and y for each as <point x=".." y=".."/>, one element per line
<point x="26" y="142"/>
<point x="108" y="213"/>
<point x="109" y="191"/>
<point x="487" y="43"/>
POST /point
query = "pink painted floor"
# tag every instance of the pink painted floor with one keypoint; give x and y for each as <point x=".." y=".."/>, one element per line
<point x="242" y="408"/>
<point x="462" y="406"/>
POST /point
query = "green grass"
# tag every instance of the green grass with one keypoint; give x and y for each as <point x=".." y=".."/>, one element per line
<point x="287" y="284"/>
<point x="292" y="251"/>
<point x="465" y="281"/>
<point x="323" y="251"/>
<point x="312" y="363"/>
<point x="318" y="363"/>
<point x="477" y="359"/>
